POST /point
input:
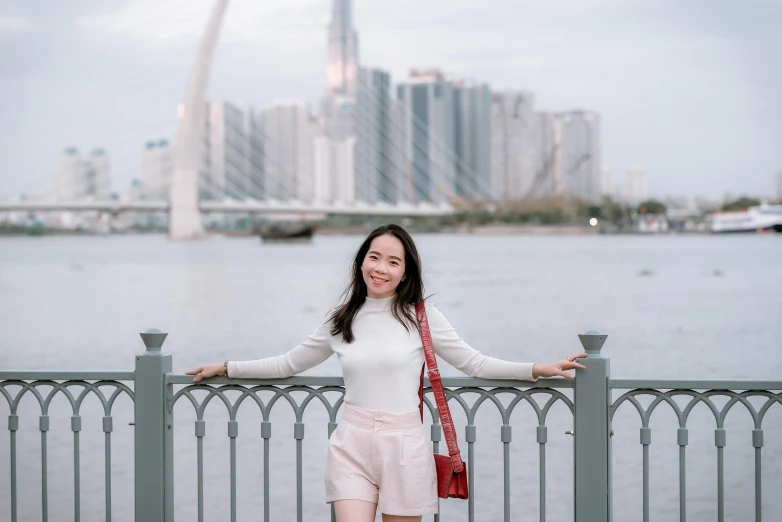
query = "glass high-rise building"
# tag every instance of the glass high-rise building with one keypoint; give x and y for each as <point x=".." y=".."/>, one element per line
<point x="232" y="164"/>
<point x="446" y="137"/>
<point x="342" y="65"/>
<point x="472" y="139"/>
<point x="426" y="104"/>
<point x="377" y="178"/>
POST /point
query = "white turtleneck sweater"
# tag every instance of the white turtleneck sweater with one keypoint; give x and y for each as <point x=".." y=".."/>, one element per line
<point x="382" y="366"/>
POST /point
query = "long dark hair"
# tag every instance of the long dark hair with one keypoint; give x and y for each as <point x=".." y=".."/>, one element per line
<point x="409" y="292"/>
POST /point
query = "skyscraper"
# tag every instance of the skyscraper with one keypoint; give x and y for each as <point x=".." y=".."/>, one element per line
<point x="321" y="172"/>
<point x="334" y="179"/>
<point x="342" y="50"/>
<point x="426" y="104"/>
<point x="581" y="167"/>
<point x="157" y="162"/>
<point x="335" y="148"/>
<point x="97" y="170"/>
<point x="233" y="152"/>
<point x="289" y="133"/>
<point x="68" y="180"/>
<point x="472" y="139"/>
<point x="77" y="178"/>
<point x="545" y="156"/>
<point x="401" y="167"/>
<point x="513" y="135"/>
<point x="635" y="186"/>
<point x="376" y="177"/>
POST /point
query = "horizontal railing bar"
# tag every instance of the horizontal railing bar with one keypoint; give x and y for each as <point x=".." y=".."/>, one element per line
<point x="66" y="376"/>
<point x="678" y="384"/>
<point x="172" y="378"/>
<point x="448" y="382"/>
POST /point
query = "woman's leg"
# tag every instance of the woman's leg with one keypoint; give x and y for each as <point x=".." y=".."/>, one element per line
<point x="355" y="511"/>
<point x="398" y="518"/>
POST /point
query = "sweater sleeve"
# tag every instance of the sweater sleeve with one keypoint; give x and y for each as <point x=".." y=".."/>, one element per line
<point x="312" y="351"/>
<point x="456" y="352"/>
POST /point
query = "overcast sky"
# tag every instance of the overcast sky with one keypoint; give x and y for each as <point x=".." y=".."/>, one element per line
<point x="689" y="89"/>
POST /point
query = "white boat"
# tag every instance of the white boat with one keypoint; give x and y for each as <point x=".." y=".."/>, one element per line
<point x="762" y="218"/>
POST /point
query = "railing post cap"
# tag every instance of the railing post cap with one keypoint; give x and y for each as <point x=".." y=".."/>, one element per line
<point x="153" y="339"/>
<point x="592" y="341"/>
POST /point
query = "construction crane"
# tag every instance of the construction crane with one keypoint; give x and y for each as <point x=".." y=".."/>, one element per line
<point x="568" y="203"/>
<point x="580" y="161"/>
<point x="543" y="175"/>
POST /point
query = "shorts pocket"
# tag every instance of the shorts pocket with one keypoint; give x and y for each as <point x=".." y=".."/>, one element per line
<point x="415" y="448"/>
<point x="416" y="483"/>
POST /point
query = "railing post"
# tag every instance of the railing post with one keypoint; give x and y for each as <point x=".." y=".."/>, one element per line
<point x="154" y="442"/>
<point x="592" y="433"/>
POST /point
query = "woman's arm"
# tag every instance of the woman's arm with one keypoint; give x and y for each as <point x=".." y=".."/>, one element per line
<point x="315" y="349"/>
<point x="456" y="352"/>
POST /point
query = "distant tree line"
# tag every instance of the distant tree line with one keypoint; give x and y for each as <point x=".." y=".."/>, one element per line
<point x="741" y="203"/>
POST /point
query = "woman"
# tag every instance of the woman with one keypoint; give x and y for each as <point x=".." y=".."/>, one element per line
<point x="379" y="456"/>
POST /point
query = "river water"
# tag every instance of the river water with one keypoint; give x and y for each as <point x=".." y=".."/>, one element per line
<point x="673" y="307"/>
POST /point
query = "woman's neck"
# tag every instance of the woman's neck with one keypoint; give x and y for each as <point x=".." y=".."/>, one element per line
<point x="377" y="303"/>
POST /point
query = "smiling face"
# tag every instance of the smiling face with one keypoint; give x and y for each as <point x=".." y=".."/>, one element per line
<point x="384" y="266"/>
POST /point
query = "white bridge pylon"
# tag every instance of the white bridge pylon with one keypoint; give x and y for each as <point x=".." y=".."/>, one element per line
<point x="184" y="214"/>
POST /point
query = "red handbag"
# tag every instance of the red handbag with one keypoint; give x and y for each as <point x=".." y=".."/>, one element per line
<point x="451" y="470"/>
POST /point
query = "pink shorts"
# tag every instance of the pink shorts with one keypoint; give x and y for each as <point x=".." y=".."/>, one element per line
<point x="384" y="458"/>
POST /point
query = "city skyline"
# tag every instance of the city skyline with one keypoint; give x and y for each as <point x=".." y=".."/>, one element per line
<point x="677" y="160"/>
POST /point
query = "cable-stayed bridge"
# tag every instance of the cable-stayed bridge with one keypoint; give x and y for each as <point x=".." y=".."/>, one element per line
<point x="420" y="152"/>
<point x="398" y="165"/>
<point x="248" y="206"/>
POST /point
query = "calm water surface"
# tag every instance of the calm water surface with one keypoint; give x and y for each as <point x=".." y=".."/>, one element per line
<point x="709" y="307"/>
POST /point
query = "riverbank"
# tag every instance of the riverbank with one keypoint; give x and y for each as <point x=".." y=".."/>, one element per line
<point x="497" y="229"/>
<point x="491" y="229"/>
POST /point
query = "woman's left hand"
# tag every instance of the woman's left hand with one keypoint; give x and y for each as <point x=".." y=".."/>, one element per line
<point x="558" y="368"/>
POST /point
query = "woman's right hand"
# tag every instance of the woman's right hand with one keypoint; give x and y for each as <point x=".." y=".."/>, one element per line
<point x="206" y="371"/>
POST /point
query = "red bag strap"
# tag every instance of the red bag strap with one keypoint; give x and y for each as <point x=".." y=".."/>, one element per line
<point x="437" y="389"/>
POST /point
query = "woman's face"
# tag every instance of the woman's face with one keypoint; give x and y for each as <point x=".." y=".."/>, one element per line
<point x="384" y="266"/>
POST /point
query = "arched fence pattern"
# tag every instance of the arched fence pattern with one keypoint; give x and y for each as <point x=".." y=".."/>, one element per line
<point x="107" y="388"/>
<point x="315" y="389"/>
<point x="155" y="390"/>
<point x="685" y="389"/>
